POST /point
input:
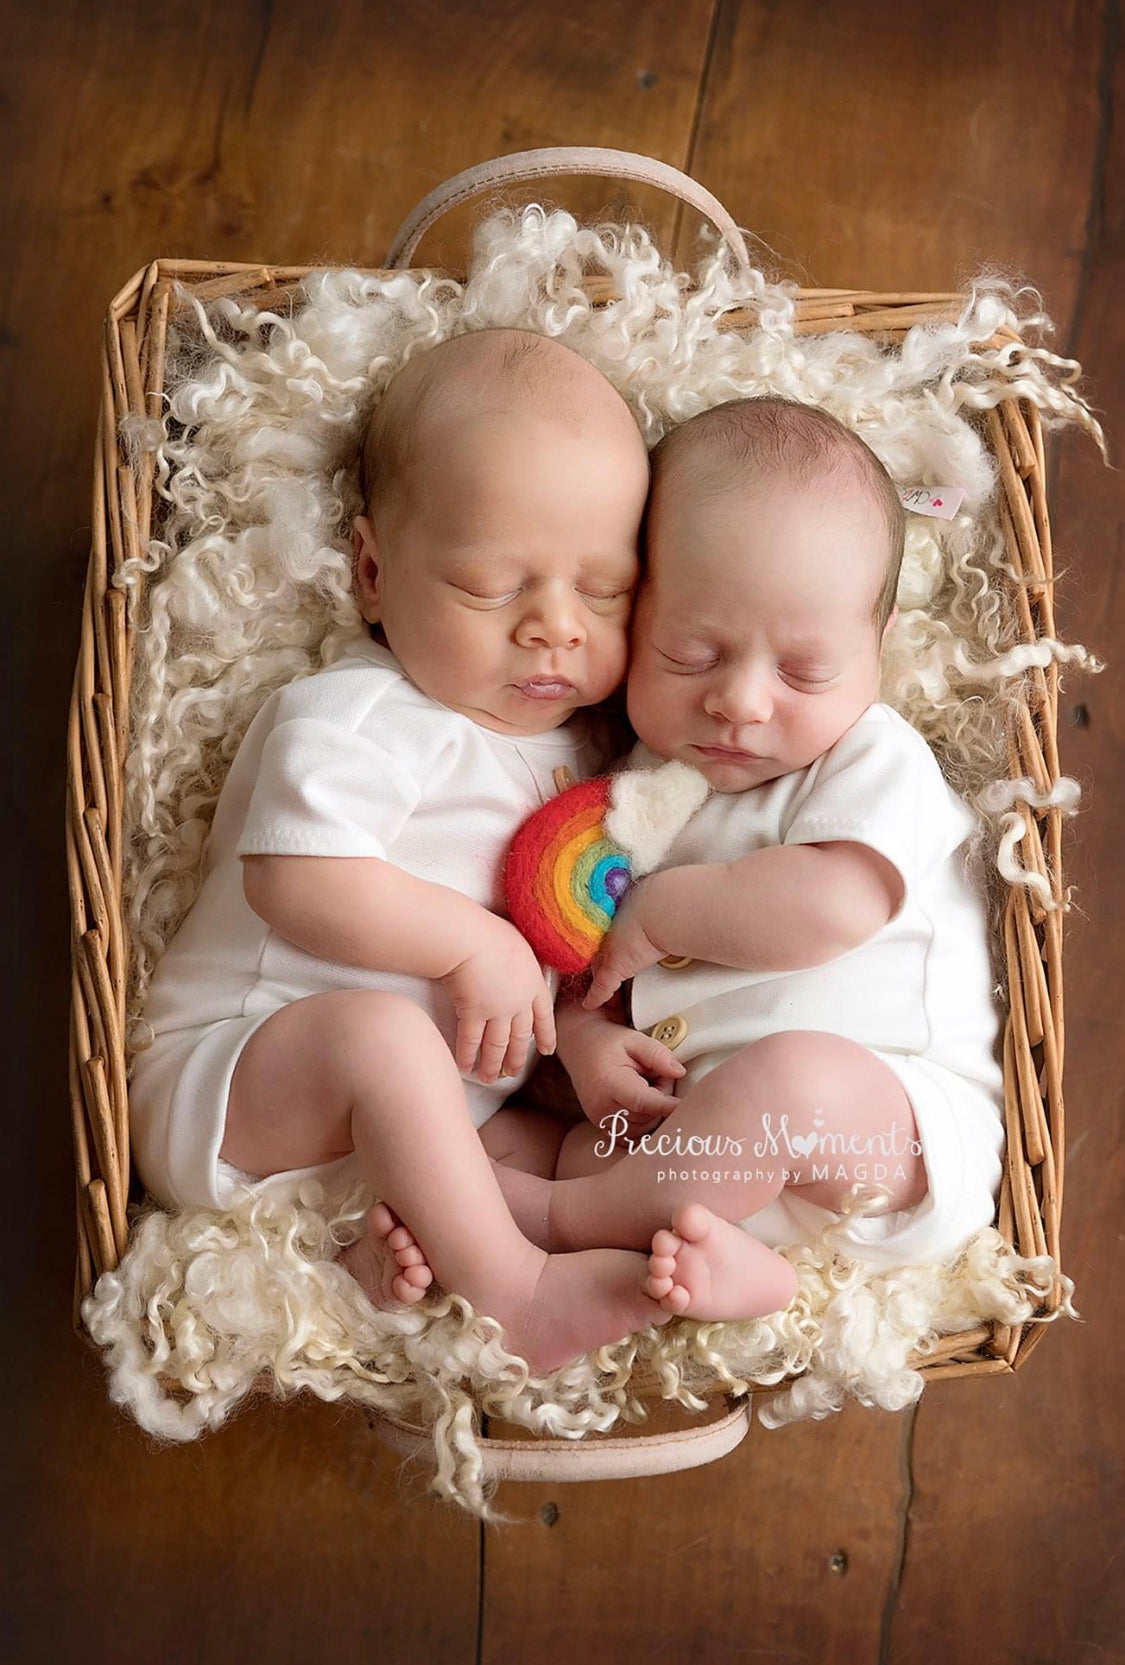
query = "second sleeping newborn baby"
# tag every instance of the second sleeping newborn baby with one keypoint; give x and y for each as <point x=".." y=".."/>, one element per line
<point x="811" y="945"/>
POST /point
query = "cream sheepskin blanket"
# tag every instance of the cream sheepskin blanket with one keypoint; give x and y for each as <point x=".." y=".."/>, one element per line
<point x="248" y="586"/>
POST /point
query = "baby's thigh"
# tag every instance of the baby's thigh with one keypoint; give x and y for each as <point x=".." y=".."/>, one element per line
<point x="830" y="1112"/>
<point x="525" y="1139"/>
<point x="297" y="1078"/>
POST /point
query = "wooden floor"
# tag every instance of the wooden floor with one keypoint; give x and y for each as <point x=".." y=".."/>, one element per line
<point x="872" y="144"/>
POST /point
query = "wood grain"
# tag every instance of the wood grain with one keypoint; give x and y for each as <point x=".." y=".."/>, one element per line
<point x="1055" y="1491"/>
<point x="900" y="147"/>
<point x="869" y="145"/>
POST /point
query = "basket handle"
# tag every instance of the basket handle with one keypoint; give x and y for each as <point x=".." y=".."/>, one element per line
<point x="561" y="1460"/>
<point x="561" y="159"/>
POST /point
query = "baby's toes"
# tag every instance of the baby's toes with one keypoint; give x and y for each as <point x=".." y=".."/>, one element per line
<point x="380" y="1220"/>
<point x="419" y="1277"/>
<point x="410" y="1256"/>
<point x="401" y="1238"/>
<point x="678" y="1299"/>
<point x="407" y="1292"/>
<point x="666" y="1243"/>
<point x="661" y="1267"/>
<point x="693" y="1221"/>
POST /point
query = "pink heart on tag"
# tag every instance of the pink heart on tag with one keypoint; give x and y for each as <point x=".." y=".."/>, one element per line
<point x="937" y="502"/>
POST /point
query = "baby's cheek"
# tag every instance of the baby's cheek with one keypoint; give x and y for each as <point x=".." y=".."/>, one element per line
<point x="643" y="698"/>
<point x="613" y="652"/>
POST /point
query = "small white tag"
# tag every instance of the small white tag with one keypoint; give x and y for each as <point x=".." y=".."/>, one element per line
<point x="942" y="501"/>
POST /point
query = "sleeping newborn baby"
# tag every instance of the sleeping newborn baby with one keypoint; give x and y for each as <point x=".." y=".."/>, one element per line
<point x="812" y="947"/>
<point x="347" y="964"/>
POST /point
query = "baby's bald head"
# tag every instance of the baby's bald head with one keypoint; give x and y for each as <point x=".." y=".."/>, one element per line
<point x="467" y="376"/>
<point x="761" y="442"/>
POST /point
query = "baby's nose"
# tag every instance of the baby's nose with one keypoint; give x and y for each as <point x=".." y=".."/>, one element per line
<point x="741" y="699"/>
<point x="553" y="620"/>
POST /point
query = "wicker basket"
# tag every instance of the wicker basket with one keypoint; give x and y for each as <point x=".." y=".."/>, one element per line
<point x="1030" y="1203"/>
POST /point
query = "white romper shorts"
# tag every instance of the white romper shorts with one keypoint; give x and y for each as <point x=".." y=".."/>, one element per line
<point x="962" y="1137"/>
<point x="178" y="1110"/>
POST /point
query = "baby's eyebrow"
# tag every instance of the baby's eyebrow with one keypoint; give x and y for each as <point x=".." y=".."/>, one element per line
<point x="807" y="651"/>
<point x="604" y="567"/>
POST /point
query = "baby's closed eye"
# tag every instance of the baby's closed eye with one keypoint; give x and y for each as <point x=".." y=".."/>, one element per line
<point x="686" y="661"/>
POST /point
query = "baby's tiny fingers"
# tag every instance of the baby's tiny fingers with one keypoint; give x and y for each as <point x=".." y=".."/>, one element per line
<point x="661" y="1103"/>
<point x="637" y="1098"/>
<point x="655" y="1056"/>
<point x="494" y="1046"/>
<point x="516" y="1056"/>
<point x="469" y="1033"/>
<point x="604" y="984"/>
<point x="543" y="1023"/>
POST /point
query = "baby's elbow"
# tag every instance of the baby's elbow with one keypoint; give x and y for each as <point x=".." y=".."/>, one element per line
<point x="865" y="892"/>
<point x="873" y="896"/>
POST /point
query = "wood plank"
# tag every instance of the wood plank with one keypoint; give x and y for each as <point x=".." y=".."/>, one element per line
<point x="783" y="1551"/>
<point x="891" y="149"/>
<point x="257" y="1537"/>
<point x="897" y="147"/>
<point x="295" y="134"/>
<point x="290" y="134"/>
<point x="1037" y="1458"/>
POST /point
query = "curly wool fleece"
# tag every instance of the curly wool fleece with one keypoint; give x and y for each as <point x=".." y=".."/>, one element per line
<point x="248" y="586"/>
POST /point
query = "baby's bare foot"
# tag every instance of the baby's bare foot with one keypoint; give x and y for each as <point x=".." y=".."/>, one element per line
<point x="387" y="1263"/>
<point x="577" y="1302"/>
<point x="708" y="1268"/>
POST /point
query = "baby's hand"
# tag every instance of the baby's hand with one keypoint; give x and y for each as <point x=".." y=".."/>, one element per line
<point x="501" y="1001"/>
<point x="628" y="945"/>
<point x="609" y="1066"/>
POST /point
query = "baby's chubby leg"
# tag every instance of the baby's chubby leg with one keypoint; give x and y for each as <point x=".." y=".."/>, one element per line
<point x="518" y="1141"/>
<point x="526" y="1140"/>
<point x="368" y="1071"/>
<point x="803" y="1108"/>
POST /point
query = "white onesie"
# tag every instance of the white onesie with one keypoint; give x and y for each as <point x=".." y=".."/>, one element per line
<point x="353" y="760"/>
<point x="918" y="993"/>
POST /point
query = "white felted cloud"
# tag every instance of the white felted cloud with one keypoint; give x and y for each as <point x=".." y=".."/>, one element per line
<point x="651" y="807"/>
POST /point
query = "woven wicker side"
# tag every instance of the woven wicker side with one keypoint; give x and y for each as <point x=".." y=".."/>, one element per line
<point x="132" y="381"/>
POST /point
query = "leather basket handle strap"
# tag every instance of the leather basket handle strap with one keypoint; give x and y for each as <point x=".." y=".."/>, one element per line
<point x="561" y="1460"/>
<point x="560" y="160"/>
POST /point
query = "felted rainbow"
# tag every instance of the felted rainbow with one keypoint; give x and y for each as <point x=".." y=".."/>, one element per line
<point x="564" y="876"/>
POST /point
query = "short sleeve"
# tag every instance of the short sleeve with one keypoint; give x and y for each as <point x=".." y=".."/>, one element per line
<point x="880" y="785"/>
<point x="325" y="790"/>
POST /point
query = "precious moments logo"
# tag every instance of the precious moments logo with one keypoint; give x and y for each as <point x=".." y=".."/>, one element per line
<point x="809" y="1157"/>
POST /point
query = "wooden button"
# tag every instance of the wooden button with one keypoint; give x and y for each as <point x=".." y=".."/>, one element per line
<point x="670" y="1031"/>
<point x="676" y="962"/>
<point x="563" y="778"/>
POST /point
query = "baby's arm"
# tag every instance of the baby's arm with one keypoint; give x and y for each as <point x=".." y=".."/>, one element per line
<point x="783" y="908"/>
<point x="362" y="911"/>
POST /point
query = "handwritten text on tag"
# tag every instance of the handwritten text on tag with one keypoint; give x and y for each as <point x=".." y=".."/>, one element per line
<point x="942" y="501"/>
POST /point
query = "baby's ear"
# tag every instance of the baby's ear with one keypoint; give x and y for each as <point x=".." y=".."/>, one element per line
<point x="366" y="577"/>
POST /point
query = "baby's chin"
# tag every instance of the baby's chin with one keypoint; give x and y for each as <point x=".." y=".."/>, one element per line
<point x="733" y="776"/>
<point x="721" y="775"/>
